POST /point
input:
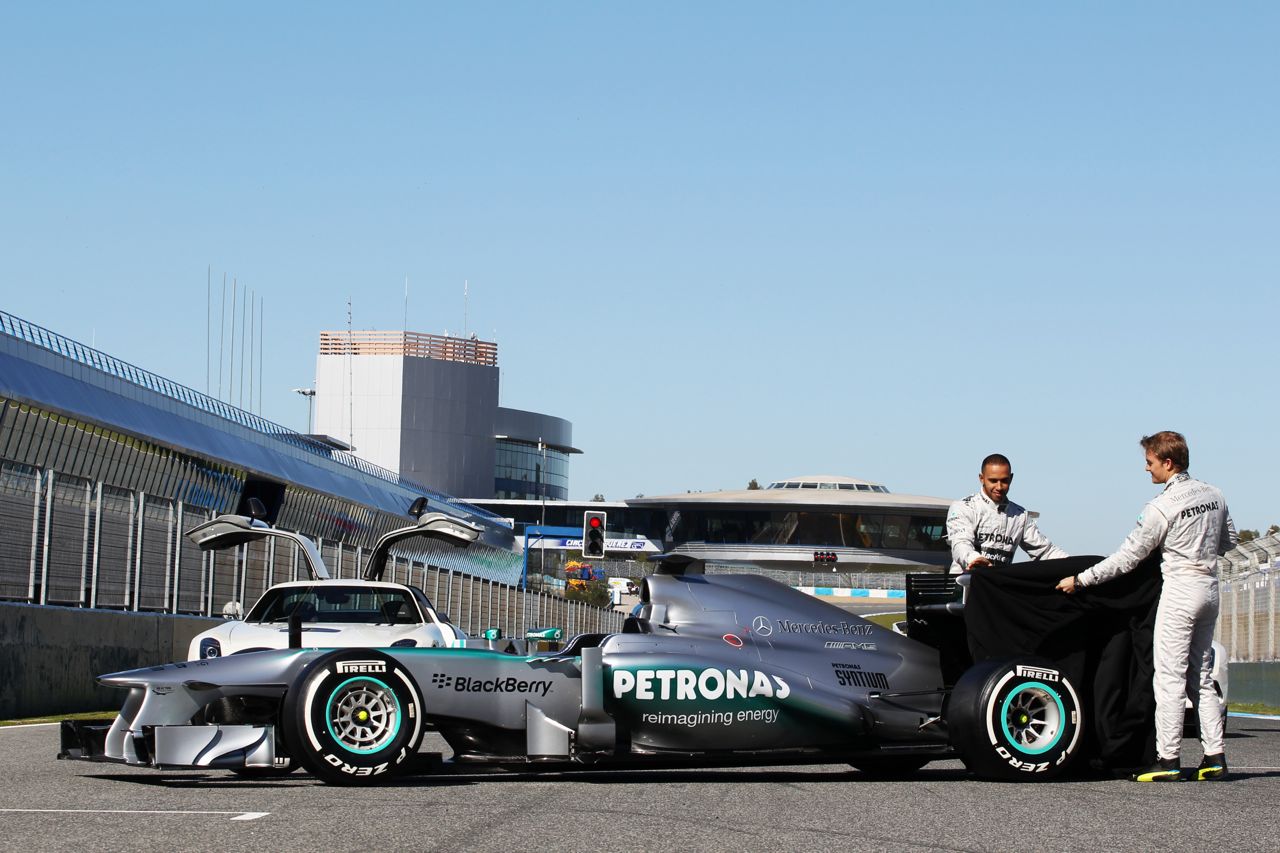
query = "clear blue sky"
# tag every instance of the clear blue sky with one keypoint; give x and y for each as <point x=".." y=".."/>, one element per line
<point x="871" y="239"/>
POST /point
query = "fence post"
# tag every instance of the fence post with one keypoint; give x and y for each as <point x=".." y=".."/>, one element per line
<point x="206" y="568"/>
<point x="84" y="543"/>
<point x="242" y="573"/>
<point x="177" y="555"/>
<point x="1253" y="613"/>
<point x="97" y="543"/>
<point x="168" y="555"/>
<point x="1271" y="617"/>
<point x="45" y="537"/>
<point x="137" y="554"/>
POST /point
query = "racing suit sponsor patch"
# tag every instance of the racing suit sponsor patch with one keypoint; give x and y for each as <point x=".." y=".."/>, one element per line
<point x="692" y="684"/>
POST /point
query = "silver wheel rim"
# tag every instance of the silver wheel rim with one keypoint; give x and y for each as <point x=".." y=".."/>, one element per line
<point x="363" y="715"/>
<point x="1033" y="720"/>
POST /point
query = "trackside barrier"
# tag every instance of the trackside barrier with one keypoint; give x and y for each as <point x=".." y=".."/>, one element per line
<point x="1255" y="683"/>
<point x="854" y="592"/>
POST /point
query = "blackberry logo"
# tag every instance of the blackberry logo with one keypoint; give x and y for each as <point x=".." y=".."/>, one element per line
<point x="441" y="680"/>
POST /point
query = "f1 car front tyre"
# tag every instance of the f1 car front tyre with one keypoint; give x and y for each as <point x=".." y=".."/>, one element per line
<point x="354" y="717"/>
<point x="1015" y="720"/>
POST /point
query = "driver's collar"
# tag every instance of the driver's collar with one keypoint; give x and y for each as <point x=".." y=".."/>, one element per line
<point x="999" y="507"/>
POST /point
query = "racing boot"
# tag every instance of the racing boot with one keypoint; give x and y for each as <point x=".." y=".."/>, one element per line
<point x="1211" y="768"/>
<point x="1164" y="770"/>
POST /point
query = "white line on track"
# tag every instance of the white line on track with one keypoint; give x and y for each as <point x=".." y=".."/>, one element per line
<point x="26" y="726"/>
<point x="238" y="815"/>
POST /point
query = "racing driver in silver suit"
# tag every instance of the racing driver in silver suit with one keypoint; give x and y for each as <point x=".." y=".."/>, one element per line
<point x="1189" y="523"/>
<point x="985" y="528"/>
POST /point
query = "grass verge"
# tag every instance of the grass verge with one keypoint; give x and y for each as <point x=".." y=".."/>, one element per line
<point x="886" y="620"/>
<point x="86" y="715"/>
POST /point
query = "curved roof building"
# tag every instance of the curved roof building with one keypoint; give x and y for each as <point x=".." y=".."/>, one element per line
<point x="843" y="520"/>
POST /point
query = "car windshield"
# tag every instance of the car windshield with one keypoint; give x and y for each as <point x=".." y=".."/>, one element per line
<point x="327" y="602"/>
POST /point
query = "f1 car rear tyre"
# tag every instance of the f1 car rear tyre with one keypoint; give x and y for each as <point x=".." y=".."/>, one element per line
<point x="353" y="717"/>
<point x="1015" y="720"/>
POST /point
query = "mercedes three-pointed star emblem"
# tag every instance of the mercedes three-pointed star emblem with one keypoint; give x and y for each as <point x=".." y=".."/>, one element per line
<point x="761" y="626"/>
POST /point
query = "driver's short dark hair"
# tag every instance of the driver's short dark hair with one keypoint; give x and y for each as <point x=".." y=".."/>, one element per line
<point x="996" y="459"/>
<point x="1170" y="445"/>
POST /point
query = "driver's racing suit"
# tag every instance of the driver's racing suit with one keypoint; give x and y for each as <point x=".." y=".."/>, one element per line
<point x="979" y="527"/>
<point x="1189" y="523"/>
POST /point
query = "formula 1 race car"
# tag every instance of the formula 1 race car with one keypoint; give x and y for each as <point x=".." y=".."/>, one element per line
<point x="711" y="670"/>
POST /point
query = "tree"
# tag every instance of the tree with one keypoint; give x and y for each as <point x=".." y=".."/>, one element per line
<point x="753" y="485"/>
<point x="1247" y="536"/>
<point x="1273" y="530"/>
<point x="597" y="498"/>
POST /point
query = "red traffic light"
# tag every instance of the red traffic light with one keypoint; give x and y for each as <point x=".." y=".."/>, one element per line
<point x="594" y="521"/>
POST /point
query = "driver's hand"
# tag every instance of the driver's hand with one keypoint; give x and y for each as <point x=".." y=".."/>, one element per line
<point x="1067" y="585"/>
<point x="979" y="561"/>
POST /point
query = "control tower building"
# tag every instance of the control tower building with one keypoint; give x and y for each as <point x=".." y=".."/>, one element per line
<point x="426" y="407"/>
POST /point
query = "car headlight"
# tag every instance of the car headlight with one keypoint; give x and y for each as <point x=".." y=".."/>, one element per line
<point x="210" y="648"/>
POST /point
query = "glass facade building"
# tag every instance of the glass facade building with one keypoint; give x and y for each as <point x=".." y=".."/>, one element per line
<point x="525" y="471"/>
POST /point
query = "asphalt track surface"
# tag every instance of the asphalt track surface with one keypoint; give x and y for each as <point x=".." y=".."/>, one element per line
<point x="47" y="804"/>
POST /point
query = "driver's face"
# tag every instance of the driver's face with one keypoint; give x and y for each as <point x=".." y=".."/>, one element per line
<point x="1160" y="469"/>
<point x="996" y="480"/>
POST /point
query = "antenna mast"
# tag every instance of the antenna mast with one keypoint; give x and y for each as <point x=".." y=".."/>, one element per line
<point x="351" y="388"/>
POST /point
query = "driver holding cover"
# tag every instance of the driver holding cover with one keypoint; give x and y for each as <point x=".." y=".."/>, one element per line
<point x="985" y="528"/>
<point x="1189" y="524"/>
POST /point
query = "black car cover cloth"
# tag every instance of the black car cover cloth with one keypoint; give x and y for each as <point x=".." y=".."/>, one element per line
<point x="1100" y="636"/>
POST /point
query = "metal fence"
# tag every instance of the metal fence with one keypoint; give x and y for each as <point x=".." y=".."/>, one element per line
<point x="70" y="541"/>
<point x="1247" y="614"/>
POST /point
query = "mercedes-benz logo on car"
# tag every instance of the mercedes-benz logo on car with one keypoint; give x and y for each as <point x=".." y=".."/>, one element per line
<point x="761" y="626"/>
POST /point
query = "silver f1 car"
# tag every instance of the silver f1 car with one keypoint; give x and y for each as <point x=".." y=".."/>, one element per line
<point x="711" y="670"/>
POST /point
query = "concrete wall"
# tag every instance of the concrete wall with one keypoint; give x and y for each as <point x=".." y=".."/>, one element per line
<point x="1255" y="682"/>
<point x="50" y="656"/>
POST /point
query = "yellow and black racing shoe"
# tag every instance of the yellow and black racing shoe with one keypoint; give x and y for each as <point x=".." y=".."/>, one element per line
<point x="1164" y="770"/>
<point x="1212" y="767"/>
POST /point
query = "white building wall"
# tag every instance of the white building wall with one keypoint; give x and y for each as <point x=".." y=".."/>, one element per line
<point x="427" y="419"/>
<point x="359" y="400"/>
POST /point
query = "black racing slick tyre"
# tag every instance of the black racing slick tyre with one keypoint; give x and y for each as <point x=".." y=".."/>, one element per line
<point x="1015" y="720"/>
<point x="354" y="717"/>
